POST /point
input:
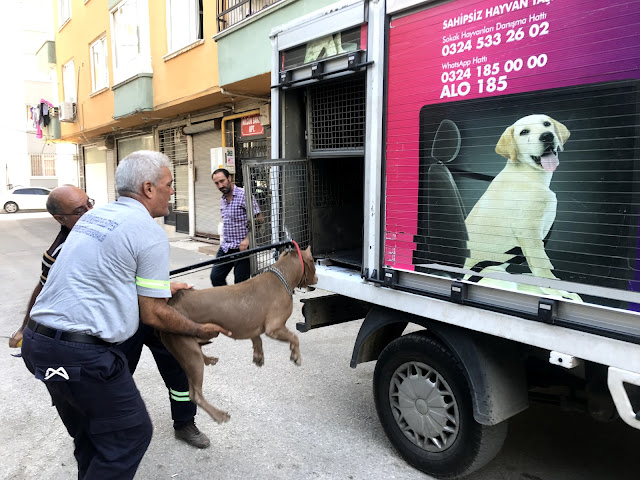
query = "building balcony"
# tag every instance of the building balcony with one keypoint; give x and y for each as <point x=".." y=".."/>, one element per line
<point x="233" y="12"/>
<point x="52" y="131"/>
<point x="134" y="95"/>
<point x="46" y="56"/>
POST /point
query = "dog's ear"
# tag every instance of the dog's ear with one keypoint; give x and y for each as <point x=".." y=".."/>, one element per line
<point x="507" y="146"/>
<point x="562" y="131"/>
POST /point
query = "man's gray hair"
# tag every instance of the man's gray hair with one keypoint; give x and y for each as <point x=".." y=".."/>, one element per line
<point x="139" y="167"/>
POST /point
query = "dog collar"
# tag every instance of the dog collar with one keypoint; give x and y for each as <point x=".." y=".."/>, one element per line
<point x="280" y="276"/>
<point x="299" y="255"/>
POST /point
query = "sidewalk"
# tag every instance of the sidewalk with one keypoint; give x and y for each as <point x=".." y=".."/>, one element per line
<point x="185" y="242"/>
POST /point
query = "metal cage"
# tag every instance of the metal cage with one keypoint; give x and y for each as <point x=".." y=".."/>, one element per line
<point x="280" y="188"/>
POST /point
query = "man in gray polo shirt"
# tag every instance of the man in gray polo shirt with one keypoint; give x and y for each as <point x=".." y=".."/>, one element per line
<point x="113" y="271"/>
<point x="67" y="204"/>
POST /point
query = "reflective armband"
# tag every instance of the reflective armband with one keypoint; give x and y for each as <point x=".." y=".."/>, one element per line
<point x="157" y="284"/>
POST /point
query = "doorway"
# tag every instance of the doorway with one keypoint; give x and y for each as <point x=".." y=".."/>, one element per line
<point x="173" y="143"/>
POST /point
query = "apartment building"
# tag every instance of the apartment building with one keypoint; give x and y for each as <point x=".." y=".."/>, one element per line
<point x="30" y="158"/>
<point x="190" y="78"/>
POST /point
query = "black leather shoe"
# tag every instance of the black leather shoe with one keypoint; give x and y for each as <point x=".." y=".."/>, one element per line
<point x="190" y="434"/>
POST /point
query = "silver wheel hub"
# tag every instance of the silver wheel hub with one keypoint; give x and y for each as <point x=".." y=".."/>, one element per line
<point x="424" y="406"/>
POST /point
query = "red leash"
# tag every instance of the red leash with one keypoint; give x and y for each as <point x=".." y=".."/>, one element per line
<point x="299" y="255"/>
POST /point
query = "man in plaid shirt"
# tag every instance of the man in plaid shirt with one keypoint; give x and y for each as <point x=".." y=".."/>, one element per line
<point x="235" y="229"/>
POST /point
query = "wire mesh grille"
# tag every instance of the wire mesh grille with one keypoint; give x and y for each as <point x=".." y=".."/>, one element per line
<point x="280" y="188"/>
<point x="337" y="115"/>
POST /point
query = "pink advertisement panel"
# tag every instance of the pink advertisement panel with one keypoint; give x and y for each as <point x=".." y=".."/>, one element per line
<point x="461" y="75"/>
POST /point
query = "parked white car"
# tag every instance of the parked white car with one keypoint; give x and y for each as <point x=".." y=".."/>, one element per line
<point x="25" y="198"/>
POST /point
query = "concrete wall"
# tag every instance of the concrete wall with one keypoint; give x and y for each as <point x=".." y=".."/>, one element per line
<point x="189" y="74"/>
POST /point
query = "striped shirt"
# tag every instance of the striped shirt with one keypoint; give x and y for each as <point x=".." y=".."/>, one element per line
<point x="49" y="257"/>
<point x="234" y="219"/>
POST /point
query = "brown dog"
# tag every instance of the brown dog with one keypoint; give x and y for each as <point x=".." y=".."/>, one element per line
<point x="260" y="305"/>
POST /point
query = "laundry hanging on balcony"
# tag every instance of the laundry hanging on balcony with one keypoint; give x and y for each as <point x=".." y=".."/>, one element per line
<point x="41" y="116"/>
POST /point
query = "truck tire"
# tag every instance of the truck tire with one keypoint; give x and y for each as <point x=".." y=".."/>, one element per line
<point x="424" y="404"/>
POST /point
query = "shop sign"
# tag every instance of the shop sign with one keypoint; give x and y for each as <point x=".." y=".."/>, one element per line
<point x="251" y="126"/>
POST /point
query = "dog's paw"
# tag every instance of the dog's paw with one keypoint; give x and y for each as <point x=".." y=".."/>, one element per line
<point x="259" y="361"/>
<point x="296" y="358"/>
<point x="210" y="360"/>
<point x="572" y="296"/>
<point x="561" y="294"/>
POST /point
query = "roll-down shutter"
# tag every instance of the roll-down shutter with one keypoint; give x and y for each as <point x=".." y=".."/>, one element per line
<point x="207" y="196"/>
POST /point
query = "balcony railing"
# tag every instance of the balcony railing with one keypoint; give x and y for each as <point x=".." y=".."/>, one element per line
<point x="234" y="11"/>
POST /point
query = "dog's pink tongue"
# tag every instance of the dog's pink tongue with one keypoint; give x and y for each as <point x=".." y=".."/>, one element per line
<point x="549" y="162"/>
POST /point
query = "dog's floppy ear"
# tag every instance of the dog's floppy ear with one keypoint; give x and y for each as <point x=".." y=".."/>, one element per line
<point x="562" y="131"/>
<point x="507" y="146"/>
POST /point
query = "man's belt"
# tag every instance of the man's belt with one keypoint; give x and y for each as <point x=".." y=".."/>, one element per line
<point x="66" y="336"/>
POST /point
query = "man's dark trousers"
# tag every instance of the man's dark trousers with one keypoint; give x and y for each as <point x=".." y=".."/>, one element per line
<point x="182" y="409"/>
<point x="241" y="269"/>
<point x="97" y="400"/>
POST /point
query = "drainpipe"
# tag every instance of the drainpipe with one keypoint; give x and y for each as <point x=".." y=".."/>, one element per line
<point x="233" y="117"/>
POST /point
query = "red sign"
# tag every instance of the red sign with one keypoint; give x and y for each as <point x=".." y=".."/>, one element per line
<point x="251" y="126"/>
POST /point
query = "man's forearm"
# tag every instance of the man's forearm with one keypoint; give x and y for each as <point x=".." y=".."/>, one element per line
<point x="16" y="338"/>
<point x="163" y="317"/>
<point x="156" y="313"/>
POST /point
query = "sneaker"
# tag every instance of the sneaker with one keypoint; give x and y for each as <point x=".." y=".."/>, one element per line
<point x="189" y="433"/>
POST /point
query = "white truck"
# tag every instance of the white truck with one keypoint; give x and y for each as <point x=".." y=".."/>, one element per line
<point x="467" y="171"/>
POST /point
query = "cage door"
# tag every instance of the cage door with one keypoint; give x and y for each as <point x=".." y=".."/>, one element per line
<point x="281" y="190"/>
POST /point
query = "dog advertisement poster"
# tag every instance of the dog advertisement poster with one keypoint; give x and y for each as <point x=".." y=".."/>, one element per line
<point x="513" y="132"/>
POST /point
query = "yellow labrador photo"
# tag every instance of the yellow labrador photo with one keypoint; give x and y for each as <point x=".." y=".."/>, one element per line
<point x="516" y="212"/>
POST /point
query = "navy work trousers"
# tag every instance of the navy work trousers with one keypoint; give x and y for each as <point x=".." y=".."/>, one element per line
<point x="96" y="398"/>
<point x="241" y="269"/>
<point x="182" y="409"/>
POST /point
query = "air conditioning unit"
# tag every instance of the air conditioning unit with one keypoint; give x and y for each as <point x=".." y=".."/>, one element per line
<point x="223" y="157"/>
<point x="67" y="112"/>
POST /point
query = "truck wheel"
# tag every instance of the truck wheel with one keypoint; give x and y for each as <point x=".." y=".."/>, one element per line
<point x="425" y="407"/>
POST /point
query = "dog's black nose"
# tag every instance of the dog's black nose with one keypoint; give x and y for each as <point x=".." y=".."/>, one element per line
<point x="546" y="137"/>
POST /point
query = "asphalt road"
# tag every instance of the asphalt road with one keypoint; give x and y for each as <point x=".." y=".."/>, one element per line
<point x="316" y="421"/>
